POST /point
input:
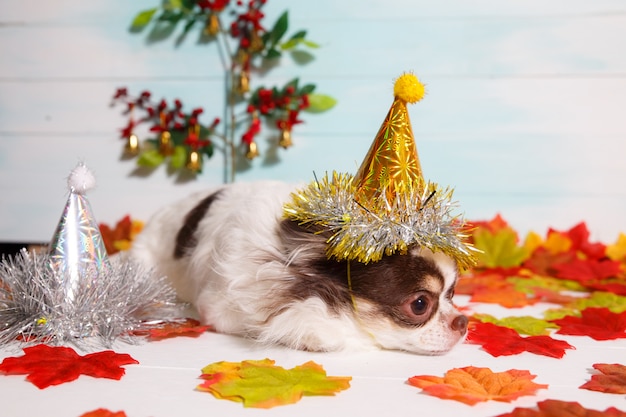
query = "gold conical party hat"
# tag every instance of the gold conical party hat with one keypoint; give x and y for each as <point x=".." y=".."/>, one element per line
<point x="387" y="206"/>
<point x="392" y="166"/>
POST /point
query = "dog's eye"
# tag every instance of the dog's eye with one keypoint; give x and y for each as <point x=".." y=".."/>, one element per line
<point x="419" y="307"/>
<point x="450" y="293"/>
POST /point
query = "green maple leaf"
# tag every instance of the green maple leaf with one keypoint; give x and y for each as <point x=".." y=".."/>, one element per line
<point x="527" y="285"/>
<point x="522" y="324"/>
<point x="499" y="249"/>
<point x="261" y="384"/>
<point x="559" y="313"/>
<point x="615" y="303"/>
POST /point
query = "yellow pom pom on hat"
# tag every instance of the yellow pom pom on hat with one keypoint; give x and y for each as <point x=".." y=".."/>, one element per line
<point x="388" y="206"/>
<point x="408" y="88"/>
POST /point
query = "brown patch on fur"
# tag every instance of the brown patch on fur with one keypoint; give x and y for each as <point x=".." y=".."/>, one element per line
<point x="314" y="275"/>
<point x="186" y="239"/>
<point x="387" y="283"/>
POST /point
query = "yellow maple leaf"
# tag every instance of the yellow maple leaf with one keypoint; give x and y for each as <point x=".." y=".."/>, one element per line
<point x="617" y="251"/>
<point x="557" y="243"/>
<point x="533" y="241"/>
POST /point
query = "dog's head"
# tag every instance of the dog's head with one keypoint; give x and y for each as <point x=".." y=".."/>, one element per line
<point x="404" y="301"/>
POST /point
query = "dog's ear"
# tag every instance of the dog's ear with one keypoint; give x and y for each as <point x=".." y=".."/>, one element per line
<point x="315" y="275"/>
<point x="294" y="235"/>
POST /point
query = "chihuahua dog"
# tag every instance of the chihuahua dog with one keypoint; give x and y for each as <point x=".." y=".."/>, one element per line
<point x="249" y="271"/>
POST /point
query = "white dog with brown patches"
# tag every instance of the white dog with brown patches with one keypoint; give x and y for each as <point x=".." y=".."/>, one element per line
<point x="250" y="272"/>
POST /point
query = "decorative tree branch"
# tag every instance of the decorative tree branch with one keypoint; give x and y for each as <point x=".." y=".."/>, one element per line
<point x="244" y="45"/>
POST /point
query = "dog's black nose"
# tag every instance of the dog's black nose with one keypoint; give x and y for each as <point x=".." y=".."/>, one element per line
<point x="459" y="324"/>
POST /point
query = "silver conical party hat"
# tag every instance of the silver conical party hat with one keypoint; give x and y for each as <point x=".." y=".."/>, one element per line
<point x="77" y="252"/>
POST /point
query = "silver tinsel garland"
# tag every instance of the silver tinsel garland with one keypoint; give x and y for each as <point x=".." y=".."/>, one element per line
<point x="109" y="304"/>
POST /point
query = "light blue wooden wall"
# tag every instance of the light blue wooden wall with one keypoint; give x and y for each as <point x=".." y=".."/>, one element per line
<point x="525" y="113"/>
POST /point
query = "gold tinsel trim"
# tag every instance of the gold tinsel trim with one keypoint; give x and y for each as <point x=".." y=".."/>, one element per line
<point x="366" y="234"/>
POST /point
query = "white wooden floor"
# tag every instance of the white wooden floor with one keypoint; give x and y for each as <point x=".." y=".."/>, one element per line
<point x="163" y="384"/>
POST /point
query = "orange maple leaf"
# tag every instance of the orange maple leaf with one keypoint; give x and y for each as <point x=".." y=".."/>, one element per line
<point x="121" y="236"/>
<point x="188" y="327"/>
<point x="507" y="296"/>
<point x="470" y="283"/>
<point x="611" y="379"/>
<point x="491" y="286"/>
<point x="471" y="385"/>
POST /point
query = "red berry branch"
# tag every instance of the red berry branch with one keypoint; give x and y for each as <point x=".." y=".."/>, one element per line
<point x="179" y="136"/>
<point x="281" y="106"/>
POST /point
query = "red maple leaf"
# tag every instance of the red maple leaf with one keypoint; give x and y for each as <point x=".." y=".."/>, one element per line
<point x="503" y="341"/>
<point x="597" y="323"/>
<point x="611" y="379"/>
<point x="546" y="295"/>
<point x="579" y="235"/>
<point x="585" y="270"/>
<point x="47" y="365"/>
<point x="549" y="408"/>
<point x="103" y="412"/>
<point x="615" y="286"/>
<point x="494" y="225"/>
<point x="542" y="260"/>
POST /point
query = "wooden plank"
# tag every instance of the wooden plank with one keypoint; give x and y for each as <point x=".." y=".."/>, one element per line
<point x="572" y="106"/>
<point x="67" y="11"/>
<point x="507" y="47"/>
